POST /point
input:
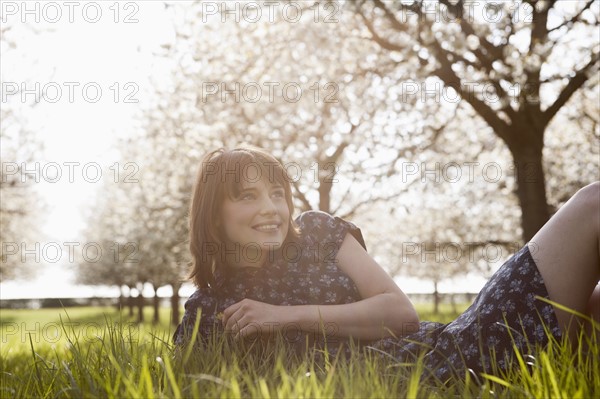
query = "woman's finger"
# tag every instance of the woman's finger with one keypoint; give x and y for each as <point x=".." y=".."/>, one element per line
<point x="248" y="330"/>
<point x="227" y="313"/>
<point x="232" y="321"/>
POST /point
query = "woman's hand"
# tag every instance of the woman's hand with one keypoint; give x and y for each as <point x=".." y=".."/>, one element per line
<point x="249" y="318"/>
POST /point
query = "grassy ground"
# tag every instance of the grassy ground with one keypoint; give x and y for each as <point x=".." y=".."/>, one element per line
<point x="99" y="352"/>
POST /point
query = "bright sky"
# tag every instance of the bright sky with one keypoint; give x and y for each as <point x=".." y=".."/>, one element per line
<point x="75" y="54"/>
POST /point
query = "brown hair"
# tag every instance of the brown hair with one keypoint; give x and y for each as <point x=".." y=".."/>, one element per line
<point x="222" y="172"/>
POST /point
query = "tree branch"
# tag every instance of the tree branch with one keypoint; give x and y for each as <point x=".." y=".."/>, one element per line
<point x="447" y="74"/>
<point x="574" y="19"/>
<point x="378" y="39"/>
<point x="574" y="84"/>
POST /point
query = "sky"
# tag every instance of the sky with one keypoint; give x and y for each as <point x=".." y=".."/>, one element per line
<point x="77" y="123"/>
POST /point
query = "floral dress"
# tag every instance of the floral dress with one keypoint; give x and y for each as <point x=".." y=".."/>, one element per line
<point x="506" y="315"/>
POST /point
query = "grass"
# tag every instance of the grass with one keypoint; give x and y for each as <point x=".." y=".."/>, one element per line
<point x="99" y="352"/>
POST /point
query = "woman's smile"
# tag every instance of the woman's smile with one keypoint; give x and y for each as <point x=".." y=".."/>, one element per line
<point x="267" y="227"/>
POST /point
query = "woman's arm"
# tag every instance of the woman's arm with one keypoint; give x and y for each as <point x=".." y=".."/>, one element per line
<point x="383" y="311"/>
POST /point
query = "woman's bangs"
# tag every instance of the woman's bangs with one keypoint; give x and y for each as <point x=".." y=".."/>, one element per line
<point x="243" y="167"/>
<point x="232" y="172"/>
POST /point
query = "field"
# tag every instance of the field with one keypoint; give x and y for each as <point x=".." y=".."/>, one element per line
<point x="100" y="352"/>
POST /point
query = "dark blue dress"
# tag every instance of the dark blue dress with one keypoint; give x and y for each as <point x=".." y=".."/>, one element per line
<point x="505" y="313"/>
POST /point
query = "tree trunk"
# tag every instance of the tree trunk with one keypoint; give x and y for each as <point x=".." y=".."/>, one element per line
<point x="531" y="189"/>
<point x="155" y="305"/>
<point x="140" y="304"/>
<point x="325" y="195"/>
<point x="436" y="298"/>
<point x="121" y="301"/>
<point x="175" y="303"/>
<point x="130" y="302"/>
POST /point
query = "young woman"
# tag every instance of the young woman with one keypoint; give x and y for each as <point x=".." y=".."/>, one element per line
<point x="259" y="271"/>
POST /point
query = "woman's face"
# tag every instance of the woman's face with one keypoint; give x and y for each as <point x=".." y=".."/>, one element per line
<point x="256" y="222"/>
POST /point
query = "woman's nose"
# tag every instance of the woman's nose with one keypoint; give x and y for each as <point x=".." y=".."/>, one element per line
<point x="268" y="205"/>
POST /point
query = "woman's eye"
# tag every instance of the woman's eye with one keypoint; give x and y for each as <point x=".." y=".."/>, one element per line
<point x="247" y="196"/>
<point x="279" y="194"/>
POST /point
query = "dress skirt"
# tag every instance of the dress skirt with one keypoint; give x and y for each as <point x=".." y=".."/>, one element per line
<point x="508" y="315"/>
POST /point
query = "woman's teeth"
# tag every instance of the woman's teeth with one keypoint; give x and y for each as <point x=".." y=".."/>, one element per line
<point x="267" y="227"/>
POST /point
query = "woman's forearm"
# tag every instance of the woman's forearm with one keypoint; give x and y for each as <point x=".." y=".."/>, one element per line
<point x="372" y="318"/>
